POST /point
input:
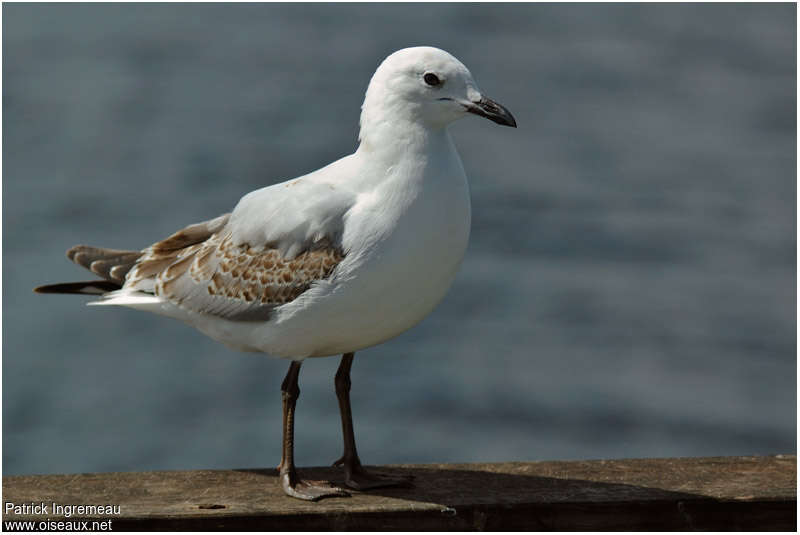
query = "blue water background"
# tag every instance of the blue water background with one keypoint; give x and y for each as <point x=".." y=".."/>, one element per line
<point x="629" y="288"/>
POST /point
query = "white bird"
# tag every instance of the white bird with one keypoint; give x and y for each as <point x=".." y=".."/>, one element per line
<point x="329" y="263"/>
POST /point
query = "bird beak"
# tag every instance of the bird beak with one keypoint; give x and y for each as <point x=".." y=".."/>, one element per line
<point x="493" y="111"/>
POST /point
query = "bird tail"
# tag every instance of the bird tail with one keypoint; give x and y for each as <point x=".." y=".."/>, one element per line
<point x="110" y="264"/>
<point x="113" y="265"/>
<point x="97" y="287"/>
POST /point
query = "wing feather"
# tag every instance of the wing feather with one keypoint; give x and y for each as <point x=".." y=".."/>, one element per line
<point x="241" y="282"/>
<point x="111" y="264"/>
<point x="161" y="255"/>
<point x="274" y="246"/>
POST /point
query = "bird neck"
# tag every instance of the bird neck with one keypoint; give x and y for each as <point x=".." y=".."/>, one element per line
<point x="401" y="137"/>
<point x="398" y="133"/>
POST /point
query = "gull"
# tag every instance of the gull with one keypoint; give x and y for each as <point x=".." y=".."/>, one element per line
<point x="329" y="263"/>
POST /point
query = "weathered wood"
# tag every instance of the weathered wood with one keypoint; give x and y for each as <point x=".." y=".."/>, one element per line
<point x="717" y="493"/>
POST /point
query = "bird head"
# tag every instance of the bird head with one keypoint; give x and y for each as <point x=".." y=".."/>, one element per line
<point x="427" y="86"/>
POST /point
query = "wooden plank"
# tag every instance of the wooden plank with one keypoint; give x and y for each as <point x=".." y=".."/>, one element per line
<point x="716" y="493"/>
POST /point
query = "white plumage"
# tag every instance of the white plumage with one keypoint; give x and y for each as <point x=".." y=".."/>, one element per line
<point x="337" y="260"/>
<point x="398" y="208"/>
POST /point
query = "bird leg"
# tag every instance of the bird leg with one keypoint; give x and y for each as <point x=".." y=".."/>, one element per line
<point x="291" y="483"/>
<point x="355" y="476"/>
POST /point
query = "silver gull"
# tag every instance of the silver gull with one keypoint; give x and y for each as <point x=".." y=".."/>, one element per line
<point x="328" y="263"/>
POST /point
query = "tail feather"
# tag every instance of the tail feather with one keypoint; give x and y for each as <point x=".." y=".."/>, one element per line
<point x="111" y="264"/>
<point x="87" y="288"/>
<point x="130" y="298"/>
<point x="114" y="265"/>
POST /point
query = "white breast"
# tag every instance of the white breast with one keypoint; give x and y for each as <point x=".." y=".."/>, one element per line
<point x="404" y="240"/>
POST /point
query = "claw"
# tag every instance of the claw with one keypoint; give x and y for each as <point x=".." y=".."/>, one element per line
<point x="310" y="490"/>
<point x="356" y="477"/>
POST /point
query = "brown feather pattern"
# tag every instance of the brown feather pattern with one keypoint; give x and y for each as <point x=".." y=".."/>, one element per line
<point x="242" y="282"/>
<point x="111" y="264"/>
<point x="201" y="269"/>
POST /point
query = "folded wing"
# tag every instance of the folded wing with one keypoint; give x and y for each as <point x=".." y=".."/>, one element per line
<point x="239" y="281"/>
<point x="238" y="266"/>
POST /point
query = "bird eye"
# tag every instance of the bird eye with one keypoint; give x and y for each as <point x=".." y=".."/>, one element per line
<point x="431" y="79"/>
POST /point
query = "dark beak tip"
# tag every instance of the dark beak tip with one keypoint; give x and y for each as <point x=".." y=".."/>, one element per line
<point x="504" y="119"/>
<point x="493" y="111"/>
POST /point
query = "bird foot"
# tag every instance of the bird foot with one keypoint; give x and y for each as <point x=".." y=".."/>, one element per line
<point x="358" y="478"/>
<point x="310" y="490"/>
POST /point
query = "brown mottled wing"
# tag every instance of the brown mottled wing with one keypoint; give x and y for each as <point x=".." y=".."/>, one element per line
<point x="161" y="255"/>
<point x="240" y="282"/>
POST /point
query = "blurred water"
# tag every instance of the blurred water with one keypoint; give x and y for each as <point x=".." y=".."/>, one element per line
<point x="629" y="289"/>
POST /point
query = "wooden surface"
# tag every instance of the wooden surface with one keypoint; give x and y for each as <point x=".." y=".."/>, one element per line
<point x="717" y="493"/>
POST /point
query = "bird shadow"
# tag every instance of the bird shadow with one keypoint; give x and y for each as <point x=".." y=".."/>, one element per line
<point x="488" y="497"/>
